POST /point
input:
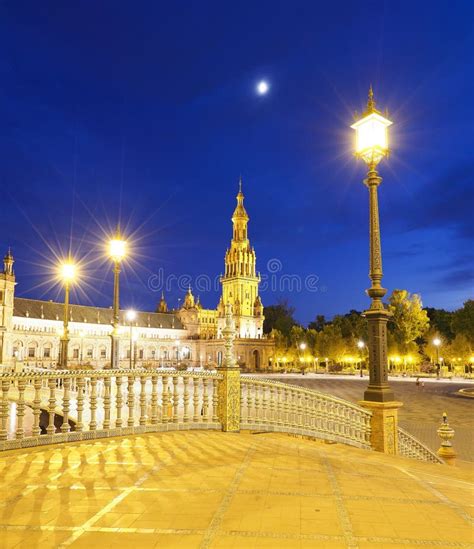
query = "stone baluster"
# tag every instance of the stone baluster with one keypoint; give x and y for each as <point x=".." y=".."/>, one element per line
<point x="196" y="416"/>
<point x="278" y="414"/>
<point x="166" y="401"/>
<point x="4" y="409"/>
<point x="205" y="401"/>
<point x="243" y="388"/>
<point x="288" y="396"/>
<point x="52" y="405"/>
<point x="118" y="401"/>
<point x="65" y="428"/>
<point x="80" y="402"/>
<point x="93" y="404"/>
<point x="154" y="399"/>
<point x="131" y="400"/>
<point x="175" y="400"/>
<point x="215" y="401"/>
<point x="143" y="416"/>
<point x="36" y="431"/>
<point x="249" y="402"/>
<point x="186" y="399"/>
<point x="107" y="385"/>
<point x="20" y="408"/>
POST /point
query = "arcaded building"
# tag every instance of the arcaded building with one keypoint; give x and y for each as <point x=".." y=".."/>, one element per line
<point x="30" y="329"/>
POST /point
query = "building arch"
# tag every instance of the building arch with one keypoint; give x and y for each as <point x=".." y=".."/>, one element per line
<point x="256" y="359"/>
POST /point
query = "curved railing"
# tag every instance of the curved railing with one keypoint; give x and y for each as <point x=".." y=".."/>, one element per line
<point x="278" y="407"/>
<point x="43" y="407"/>
<point x="411" y="447"/>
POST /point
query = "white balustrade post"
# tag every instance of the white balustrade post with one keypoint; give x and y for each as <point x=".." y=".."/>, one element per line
<point x="196" y="416"/>
<point x="186" y="399"/>
<point x="107" y="385"/>
<point x="143" y="417"/>
<point x="154" y="399"/>
<point x="165" y="400"/>
<point x="118" y="401"/>
<point x="4" y="410"/>
<point x="66" y="386"/>
<point x="131" y="400"/>
<point x="52" y="405"/>
<point x="93" y="404"/>
<point x="80" y="402"/>
<point x="36" y="431"/>
<point x="175" y="399"/>
<point x="20" y="408"/>
<point x="205" y="401"/>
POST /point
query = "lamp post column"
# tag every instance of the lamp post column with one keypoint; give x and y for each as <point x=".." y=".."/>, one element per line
<point x="64" y="344"/>
<point x="229" y="385"/>
<point x="377" y="316"/>
<point x="378" y="397"/>
<point x="114" y="353"/>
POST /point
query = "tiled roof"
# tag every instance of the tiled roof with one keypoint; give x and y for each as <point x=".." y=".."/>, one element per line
<point x="49" y="310"/>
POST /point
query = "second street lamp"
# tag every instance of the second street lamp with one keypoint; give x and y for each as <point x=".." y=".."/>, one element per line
<point x="117" y="252"/>
<point x="360" y="345"/>
<point x="68" y="274"/>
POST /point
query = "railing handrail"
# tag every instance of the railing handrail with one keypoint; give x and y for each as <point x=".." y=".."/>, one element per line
<point x="417" y="446"/>
<point x="303" y="390"/>
<point x="138" y="372"/>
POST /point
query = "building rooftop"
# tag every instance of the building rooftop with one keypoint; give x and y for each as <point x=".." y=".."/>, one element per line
<point x="50" y="310"/>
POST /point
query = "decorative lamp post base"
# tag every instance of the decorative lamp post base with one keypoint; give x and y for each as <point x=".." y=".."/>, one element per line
<point x="383" y="425"/>
<point x="229" y="398"/>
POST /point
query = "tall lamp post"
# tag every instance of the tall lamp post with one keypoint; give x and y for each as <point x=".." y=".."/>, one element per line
<point x="131" y="316"/>
<point x="117" y="252"/>
<point x="68" y="274"/>
<point x="372" y="146"/>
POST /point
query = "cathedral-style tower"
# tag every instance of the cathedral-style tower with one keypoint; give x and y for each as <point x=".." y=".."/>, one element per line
<point x="7" y="293"/>
<point x="241" y="280"/>
<point x="162" y="305"/>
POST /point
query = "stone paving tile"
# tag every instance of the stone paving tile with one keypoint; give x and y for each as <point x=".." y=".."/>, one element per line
<point x="227" y="490"/>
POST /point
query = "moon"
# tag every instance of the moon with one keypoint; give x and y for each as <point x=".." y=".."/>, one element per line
<point x="262" y="87"/>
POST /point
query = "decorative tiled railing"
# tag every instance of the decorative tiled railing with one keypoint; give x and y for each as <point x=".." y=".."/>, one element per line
<point x="70" y="406"/>
<point x="273" y="406"/>
<point x="411" y="447"/>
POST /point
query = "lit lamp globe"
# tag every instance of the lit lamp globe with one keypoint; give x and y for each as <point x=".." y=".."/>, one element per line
<point x="371" y="134"/>
<point x="302" y="346"/>
<point x="117" y="249"/>
<point x="68" y="272"/>
<point x="436" y="342"/>
<point x="131" y="315"/>
<point x="360" y="344"/>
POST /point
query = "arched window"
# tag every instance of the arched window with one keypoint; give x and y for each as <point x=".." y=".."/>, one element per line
<point x="186" y="353"/>
<point x="47" y="350"/>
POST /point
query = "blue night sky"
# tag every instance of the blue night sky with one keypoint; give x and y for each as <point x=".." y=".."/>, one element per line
<point x="147" y="112"/>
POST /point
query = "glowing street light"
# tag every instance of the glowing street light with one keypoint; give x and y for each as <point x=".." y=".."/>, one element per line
<point x="372" y="145"/>
<point x="360" y="345"/>
<point x="67" y="273"/>
<point x="437" y="343"/>
<point x="117" y="252"/>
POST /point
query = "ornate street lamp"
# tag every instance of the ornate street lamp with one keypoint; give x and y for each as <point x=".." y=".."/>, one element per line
<point x="372" y="146"/>
<point x="117" y="252"/>
<point x="67" y="272"/>
<point x="131" y="316"/>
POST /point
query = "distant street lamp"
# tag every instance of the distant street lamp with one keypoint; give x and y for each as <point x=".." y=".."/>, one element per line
<point x="372" y="146"/>
<point x="68" y="275"/>
<point x="131" y="316"/>
<point x="117" y="252"/>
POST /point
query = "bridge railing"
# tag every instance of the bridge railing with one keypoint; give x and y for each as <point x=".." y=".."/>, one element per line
<point x="273" y="406"/>
<point x="70" y="406"/>
<point x="411" y="447"/>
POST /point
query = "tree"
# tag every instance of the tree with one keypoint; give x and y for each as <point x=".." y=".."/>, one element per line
<point x="410" y="320"/>
<point x="353" y="325"/>
<point x="318" y="323"/>
<point x="331" y="344"/>
<point x="279" y="317"/>
<point x="463" y="321"/>
<point x="441" y="321"/>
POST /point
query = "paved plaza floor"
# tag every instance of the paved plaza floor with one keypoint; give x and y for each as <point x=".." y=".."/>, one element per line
<point x="422" y="408"/>
<point x="213" y="489"/>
